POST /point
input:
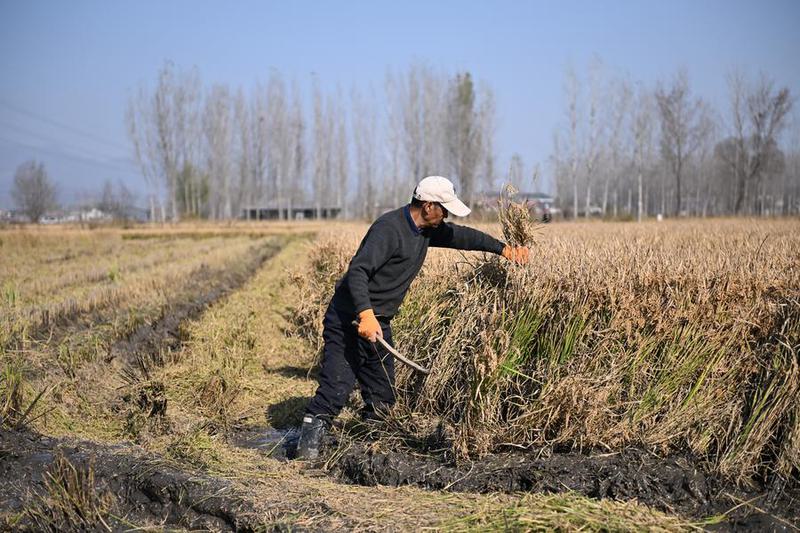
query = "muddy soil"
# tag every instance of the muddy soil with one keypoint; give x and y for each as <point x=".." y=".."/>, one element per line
<point x="677" y="484"/>
<point x="145" y="489"/>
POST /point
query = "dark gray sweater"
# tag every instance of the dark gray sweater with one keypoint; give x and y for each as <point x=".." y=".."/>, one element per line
<point x="391" y="255"/>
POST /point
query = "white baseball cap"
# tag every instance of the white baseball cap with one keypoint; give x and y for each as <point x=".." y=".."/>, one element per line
<point x="440" y="189"/>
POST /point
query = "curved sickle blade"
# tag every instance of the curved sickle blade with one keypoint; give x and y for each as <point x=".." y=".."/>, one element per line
<point x="400" y="357"/>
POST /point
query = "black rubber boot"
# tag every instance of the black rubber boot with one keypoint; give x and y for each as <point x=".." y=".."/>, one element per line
<point x="311" y="432"/>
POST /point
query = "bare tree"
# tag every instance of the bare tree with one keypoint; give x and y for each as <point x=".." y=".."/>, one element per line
<point x="572" y="90"/>
<point x="620" y="101"/>
<point x="791" y="184"/>
<point x="680" y="128"/>
<point x="126" y="201"/>
<point x="410" y="96"/>
<point x="243" y="122"/>
<point x="297" y="149"/>
<point x="759" y="116"/>
<point x="217" y="124"/>
<point x="259" y="143"/>
<point x="487" y="118"/>
<point x="516" y="170"/>
<point x="116" y="201"/>
<point x="274" y="145"/>
<point x="32" y="191"/>
<point x="595" y="130"/>
<point x="433" y="123"/>
<point x="108" y="200"/>
<point x="364" y="127"/>
<point x="140" y="131"/>
<point x="340" y="159"/>
<point x="559" y="165"/>
<point x="164" y="130"/>
<point x="322" y="149"/>
<point x="706" y="129"/>
<point x="643" y="138"/>
<point x="393" y="154"/>
<point x="186" y="116"/>
<point x="465" y="138"/>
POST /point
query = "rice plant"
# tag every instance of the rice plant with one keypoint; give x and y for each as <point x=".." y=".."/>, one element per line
<point x="669" y="336"/>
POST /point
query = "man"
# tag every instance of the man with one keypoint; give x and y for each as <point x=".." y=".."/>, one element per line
<point x="387" y="261"/>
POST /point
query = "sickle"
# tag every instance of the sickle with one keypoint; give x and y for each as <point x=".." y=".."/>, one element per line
<point x="399" y="356"/>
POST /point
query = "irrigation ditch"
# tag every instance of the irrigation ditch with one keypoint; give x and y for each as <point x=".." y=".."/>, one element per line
<point x="676" y="484"/>
<point x="66" y="484"/>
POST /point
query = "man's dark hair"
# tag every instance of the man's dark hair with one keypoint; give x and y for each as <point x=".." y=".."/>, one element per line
<point x="415" y="203"/>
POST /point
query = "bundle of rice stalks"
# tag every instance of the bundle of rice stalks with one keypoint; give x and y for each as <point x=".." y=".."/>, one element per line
<point x="518" y="224"/>
<point x="145" y="407"/>
<point x="216" y="394"/>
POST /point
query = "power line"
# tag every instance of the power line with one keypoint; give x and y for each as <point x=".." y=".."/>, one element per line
<point x="45" y="138"/>
<point x="56" y="123"/>
<point x="81" y="159"/>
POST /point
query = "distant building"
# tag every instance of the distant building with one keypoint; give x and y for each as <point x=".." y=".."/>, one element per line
<point x="92" y="215"/>
<point x="13" y="217"/>
<point x="62" y="216"/>
<point x="296" y="212"/>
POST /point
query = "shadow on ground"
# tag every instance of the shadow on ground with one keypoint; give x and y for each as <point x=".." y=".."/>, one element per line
<point x="287" y="413"/>
<point x="290" y="371"/>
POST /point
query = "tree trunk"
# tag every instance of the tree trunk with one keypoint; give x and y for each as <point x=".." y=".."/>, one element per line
<point x="641" y="199"/>
<point x="678" y="189"/>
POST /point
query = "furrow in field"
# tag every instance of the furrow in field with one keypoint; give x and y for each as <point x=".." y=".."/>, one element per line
<point x="128" y="294"/>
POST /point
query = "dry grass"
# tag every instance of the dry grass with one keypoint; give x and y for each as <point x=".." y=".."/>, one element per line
<point x="316" y="281"/>
<point x="18" y="403"/>
<point x="569" y="512"/>
<point x="680" y="335"/>
<point x="238" y="371"/>
<point x="51" y="285"/>
<point x="72" y="501"/>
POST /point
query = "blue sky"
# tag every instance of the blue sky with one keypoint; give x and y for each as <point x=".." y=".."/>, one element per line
<point x="68" y="68"/>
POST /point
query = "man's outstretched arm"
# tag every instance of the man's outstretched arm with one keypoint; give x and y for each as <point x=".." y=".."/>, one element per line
<point x="464" y="238"/>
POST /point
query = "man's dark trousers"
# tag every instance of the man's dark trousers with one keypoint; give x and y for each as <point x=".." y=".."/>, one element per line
<point x="347" y="358"/>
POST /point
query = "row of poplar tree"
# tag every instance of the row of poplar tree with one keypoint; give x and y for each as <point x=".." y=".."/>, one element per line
<point x="628" y="149"/>
<point x="623" y="148"/>
<point x="212" y="152"/>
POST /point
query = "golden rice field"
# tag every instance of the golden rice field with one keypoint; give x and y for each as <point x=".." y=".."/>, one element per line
<point x="680" y="335"/>
<point x="140" y="368"/>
